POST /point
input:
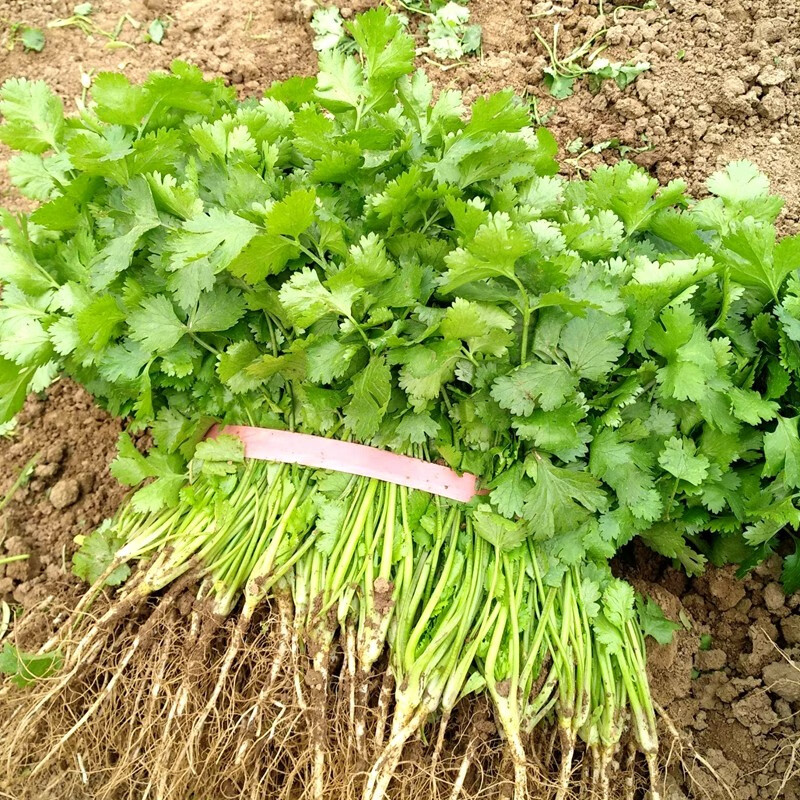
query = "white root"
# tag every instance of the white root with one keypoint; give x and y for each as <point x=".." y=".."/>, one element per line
<point x="567" y="757"/>
<point x="463" y="769"/>
<point x="36" y="713"/>
<point x="104" y="694"/>
<point x="437" y="750"/>
<point x="384" y="700"/>
<point x="360" y="722"/>
<point x="233" y="649"/>
<point x="321" y="663"/>
<point x="515" y="747"/>
<point x="405" y="724"/>
<point x="350" y="665"/>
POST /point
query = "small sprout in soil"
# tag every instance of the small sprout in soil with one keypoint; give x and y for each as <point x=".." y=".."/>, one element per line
<point x="11" y="559"/>
<point x="30" y="37"/>
<point x="449" y="34"/>
<point x="80" y="19"/>
<point x="155" y="32"/>
<point x="681" y="54"/>
<point x="581" y="151"/>
<point x="539" y="117"/>
<point x="447" y="31"/>
<point x="10" y="429"/>
<point x="705" y="641"/>
<point x="560" y="77"/>
<point x="21" y="479"/>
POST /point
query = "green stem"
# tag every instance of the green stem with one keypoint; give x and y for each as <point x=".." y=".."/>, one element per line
<point x="11" y="559"/>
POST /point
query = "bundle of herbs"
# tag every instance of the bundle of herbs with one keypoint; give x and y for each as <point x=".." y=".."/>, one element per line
<point x="348" y="258"/>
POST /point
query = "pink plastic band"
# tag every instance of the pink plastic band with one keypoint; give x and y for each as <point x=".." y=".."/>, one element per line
<point x="288" y="447"/>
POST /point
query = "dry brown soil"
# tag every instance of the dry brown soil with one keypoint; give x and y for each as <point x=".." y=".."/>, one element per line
<point x="723" y="85"/>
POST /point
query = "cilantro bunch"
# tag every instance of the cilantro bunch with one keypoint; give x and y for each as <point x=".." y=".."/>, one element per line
<point x="347" y="257"/>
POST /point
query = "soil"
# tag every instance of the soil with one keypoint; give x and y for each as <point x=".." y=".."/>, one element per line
<point x="69" y="442"/>
<point x="722" y="86"/>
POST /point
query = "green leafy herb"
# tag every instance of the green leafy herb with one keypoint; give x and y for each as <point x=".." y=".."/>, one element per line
<point x="96" y="553"/>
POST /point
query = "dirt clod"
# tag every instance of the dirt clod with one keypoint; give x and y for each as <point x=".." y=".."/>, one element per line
<point x="790" y="627"/>
<point x="710" y="660"/>
<point x="783" y="679"/>
<point x="774" y="597"/>
<point x="724" y="589"/>
<point x="773" y="106"/>
<point x="65" y="493"/>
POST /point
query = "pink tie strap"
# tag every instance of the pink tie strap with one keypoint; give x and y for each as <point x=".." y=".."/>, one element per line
<point x="289" y="447"/>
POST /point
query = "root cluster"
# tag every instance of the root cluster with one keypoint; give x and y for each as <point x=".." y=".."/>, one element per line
<point x="151" y="704"/>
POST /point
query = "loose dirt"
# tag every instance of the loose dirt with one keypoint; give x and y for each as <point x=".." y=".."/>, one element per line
<point x="722" y="85"/>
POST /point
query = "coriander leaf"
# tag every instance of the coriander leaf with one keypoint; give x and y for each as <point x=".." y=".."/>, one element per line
<point x="740" y="181"/>
<point x="501" y="111"/>
<point x="118" y="101"/>
<point x="387" y="49"/>
<point x="782" y="451"/>
<point x="329" y="359"/>
<point x="502" y="533"/>
<point x="558" y="431"/>
<point x="133" y="214"/>
<point x="593" y="343"/>
<point x="371" y="390"/>
<point x="668" y="539"/>
<point x="220" y="456"/>
<point x="538" y="384"/>
<point x="36" y="177"/>
<point x="482" y="326"/>
<point x="626" y="467"/>
<point x="209" y="242"/>
<point x="292" y="215"/>
<point x="750" y="407"/>
<point x="99" y="321"/>
<point x="508" y="491"/>
<point x="155" y="325"/>
<point x="130" y="467"/>
<point x="790" y="575"/>
<point x="560" y="498"/>
<point x="217" y="310"/>
<point x="32" y="39"/>
<point x="96" y="553"/>
<point x="14" y="386"/>
<point x="164" y="491"/>
<point x="653" y="622"/>
<point x="306" y="300"/>
<point x="33" y="116"/>
<point x="560" y="86"/>
<point x="340" y="82"/>
<point x="493" y="252"/>
<point x="680" y="459"/>
<point x="417" y="428"/>
<point x="27" y="668"/>
<point x="426" y="368"/>
<point x="618" y="602"/>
